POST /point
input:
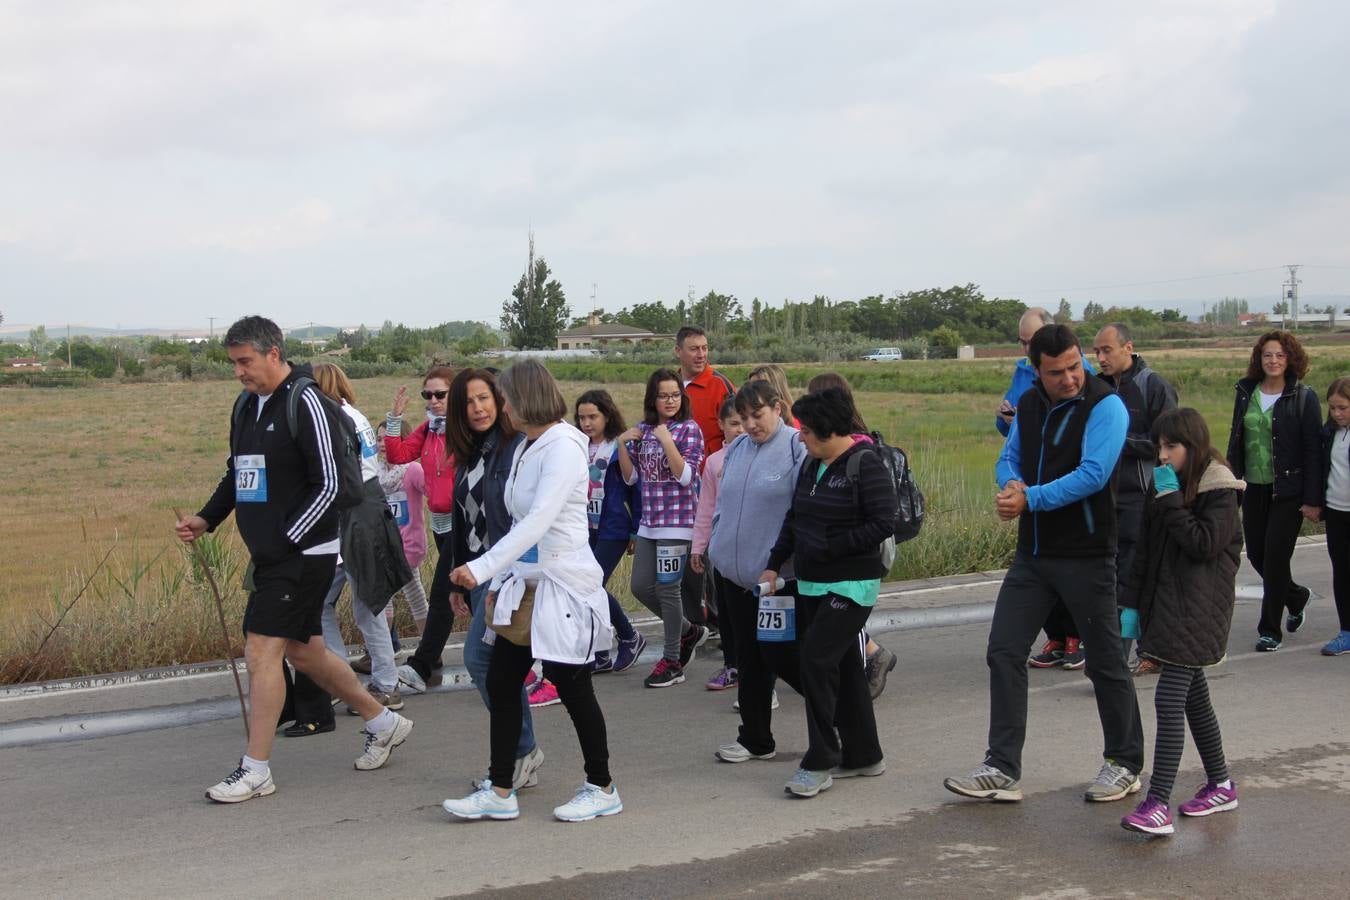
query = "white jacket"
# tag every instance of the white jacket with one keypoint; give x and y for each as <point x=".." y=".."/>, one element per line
<point x="546" y="497"/>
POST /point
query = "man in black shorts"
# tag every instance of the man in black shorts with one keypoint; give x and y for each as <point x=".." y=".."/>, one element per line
<point x="281" y="487"/>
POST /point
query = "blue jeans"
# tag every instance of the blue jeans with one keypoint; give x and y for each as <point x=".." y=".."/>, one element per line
<point x="607" y="554"/>
<point x="477" y="658"/>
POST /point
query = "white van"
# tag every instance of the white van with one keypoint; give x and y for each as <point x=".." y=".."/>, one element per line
<point x="882" y="354"/>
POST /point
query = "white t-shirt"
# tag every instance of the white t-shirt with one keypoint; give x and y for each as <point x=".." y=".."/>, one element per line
<point x="1268" y="400"/>
<point x="1338" y="479"/>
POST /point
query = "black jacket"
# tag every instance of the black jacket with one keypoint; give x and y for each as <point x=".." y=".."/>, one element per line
<point x="834" y="529"/>
<point x="1296" y="435"/>
<point x="372" y="548"/>
<point x="1184" y="571"/>
<point x="1146" y="395"/>
<point x="1051" y="446"/>
<point x="496" y="453"/>
<point x="301" y="476"/>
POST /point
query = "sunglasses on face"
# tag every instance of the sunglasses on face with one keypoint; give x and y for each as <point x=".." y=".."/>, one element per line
<point x="438" y="395"/>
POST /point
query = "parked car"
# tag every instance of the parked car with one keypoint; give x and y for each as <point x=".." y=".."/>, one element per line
<point x="882" y="354"/>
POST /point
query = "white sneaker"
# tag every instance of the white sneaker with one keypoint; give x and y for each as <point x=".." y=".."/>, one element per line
<point x="735" y="752"/>
<point x="408" y="677"/>
<point x="736" y="704"/>
<point x="484" y="804"/>
<point x="872" y="771"/>
<point x="240" y="785"/>
<point x="380" y="744"/>
<point x="590" y="801"/>
<point x="526" y="774"/>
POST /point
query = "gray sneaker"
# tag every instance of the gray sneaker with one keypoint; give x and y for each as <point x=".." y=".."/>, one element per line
<point x="872" y="771"/>
<point x="388" y="699"/>
<point x="379" y="744"/>
<point x="526" y="774"/>
<point x="1113" y="783"/>
<point x="985" y="783"/>
<point x="879" y="666"/>
<point x="807" y="783"/>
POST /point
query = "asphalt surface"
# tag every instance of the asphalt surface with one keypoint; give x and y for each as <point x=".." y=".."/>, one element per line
<point x="124" y="814"/>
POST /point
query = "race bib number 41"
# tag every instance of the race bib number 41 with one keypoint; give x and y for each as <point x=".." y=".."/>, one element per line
<point x="250" y="479"/>
<point x="398" y="507"/>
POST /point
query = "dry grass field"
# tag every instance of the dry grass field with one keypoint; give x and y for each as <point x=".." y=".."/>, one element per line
<point x="92" y="469"/>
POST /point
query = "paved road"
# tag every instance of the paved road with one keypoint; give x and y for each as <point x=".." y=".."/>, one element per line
<point x="124" y="815"/>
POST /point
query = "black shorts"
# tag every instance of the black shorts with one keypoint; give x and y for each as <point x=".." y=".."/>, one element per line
<point x="288" y="595"/>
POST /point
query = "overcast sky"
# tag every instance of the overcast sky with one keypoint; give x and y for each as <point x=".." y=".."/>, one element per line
<point x="162" y="162"/>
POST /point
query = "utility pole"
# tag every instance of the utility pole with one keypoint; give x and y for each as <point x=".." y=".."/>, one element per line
<point x="69" y="362"/>
<point x="212" y="320"/>
<point x="1291" y="294"/>
<point x="311" y="334"/>
<point x="594" y="308"/>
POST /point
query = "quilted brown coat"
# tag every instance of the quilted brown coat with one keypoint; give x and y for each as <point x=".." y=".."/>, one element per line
<point x="1182" y="580"/>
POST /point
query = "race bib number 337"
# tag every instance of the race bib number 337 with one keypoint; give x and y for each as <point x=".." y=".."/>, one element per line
<point x="250" y="479"/>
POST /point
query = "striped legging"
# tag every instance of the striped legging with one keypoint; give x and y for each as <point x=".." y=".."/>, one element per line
<point x="1183" y="696"/>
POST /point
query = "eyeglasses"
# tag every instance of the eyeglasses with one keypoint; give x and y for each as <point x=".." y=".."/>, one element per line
<point x="669" y="398"/>
<point x="439" y="395"/>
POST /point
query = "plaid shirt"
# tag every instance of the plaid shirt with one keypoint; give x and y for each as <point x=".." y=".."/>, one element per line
<point x="665" y="502"/>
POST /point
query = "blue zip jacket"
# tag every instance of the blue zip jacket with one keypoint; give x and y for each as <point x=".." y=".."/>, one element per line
<point x="1102" y="441"/>
<point x="622" y="507"/>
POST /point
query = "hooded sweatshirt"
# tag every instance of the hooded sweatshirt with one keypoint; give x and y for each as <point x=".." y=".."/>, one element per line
<point x="753" y="497"/>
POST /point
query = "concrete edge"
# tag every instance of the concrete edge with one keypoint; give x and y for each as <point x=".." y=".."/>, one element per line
<point x="892" y="589"/>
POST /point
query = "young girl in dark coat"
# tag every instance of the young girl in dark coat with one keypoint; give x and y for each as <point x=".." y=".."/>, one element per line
<point x="1179" y="603"/>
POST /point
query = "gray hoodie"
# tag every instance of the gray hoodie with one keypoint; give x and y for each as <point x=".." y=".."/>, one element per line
<point x="752" y="499"/>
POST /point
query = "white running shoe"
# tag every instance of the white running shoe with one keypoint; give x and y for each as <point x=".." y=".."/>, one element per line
<point x="408" y="677"/>
<point x="736" y="704"/>
<point x="380" y="744"/>
<point x="735" y="752"/>
<point x="526" y="774"/>
<point x="484" y="804"/>
<point x="590" y="801"/>
<point x="240" y="785"/>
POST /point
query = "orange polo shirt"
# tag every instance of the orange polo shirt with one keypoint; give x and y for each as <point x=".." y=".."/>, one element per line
<point x="706" y="393"/>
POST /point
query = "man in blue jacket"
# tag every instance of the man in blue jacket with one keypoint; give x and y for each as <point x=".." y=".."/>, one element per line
<point x="1055" y="478"/>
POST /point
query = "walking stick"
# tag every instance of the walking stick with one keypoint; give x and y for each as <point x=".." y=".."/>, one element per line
<point x="224" y="632"/>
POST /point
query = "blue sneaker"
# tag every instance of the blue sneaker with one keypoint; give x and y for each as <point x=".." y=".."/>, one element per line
<point x="629" y="651"/>
<point x="1337" y="645"/>
<point x="603" y="662"/>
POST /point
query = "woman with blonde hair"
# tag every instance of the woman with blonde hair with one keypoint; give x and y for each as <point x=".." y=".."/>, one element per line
<point x="371" y="558"/>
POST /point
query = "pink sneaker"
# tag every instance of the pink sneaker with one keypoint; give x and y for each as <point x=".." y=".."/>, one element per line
<point x="1211" y="799"/>
<point x="530" y="678"/>
<point x="1150" y="817"/>
<point x="543" y="693"/>
<point x="722" y="679"/>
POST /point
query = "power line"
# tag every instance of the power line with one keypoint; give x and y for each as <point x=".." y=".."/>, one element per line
<point x="1104" y="287"/>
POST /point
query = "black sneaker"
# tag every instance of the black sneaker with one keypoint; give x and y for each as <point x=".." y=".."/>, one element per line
<point x="1294" y="621"/>
<point x="690" y="641"/>
<point x="1051" y="655"/>
<point x="305" y="729"/>
<point x="1267" y="644"/>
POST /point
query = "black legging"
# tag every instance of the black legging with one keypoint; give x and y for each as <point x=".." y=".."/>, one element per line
<point x="1182" y="696"/>
<point x="440" y="617"/>
<point x="1270" y="527"/>
<point x="510" y="663"/>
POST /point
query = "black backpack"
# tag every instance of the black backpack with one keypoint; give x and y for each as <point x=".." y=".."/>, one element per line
<point x="347" y="445"/>
<point x="909" y="499"/>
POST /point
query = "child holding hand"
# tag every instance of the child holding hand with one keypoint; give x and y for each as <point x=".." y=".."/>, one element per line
<point x="1178" y="603"/>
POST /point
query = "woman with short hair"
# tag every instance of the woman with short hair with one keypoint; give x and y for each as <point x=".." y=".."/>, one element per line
<point x="841" y="512"/>
<point x="547" y="600"/>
